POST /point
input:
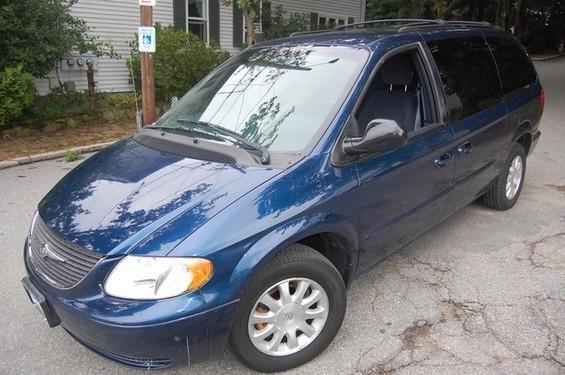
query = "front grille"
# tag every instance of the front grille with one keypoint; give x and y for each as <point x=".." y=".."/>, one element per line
<point x="59" y="262"/>
<point x="140" y="362"/>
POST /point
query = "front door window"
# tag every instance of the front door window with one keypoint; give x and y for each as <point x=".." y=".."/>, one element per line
<point x="398" y="93"/>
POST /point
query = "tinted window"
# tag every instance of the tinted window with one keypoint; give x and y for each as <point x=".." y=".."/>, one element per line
<point x="515" y="67"/>
<point x="468" y="73"/>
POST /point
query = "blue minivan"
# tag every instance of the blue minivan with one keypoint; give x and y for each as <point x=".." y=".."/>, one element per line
<point x="241" y="216"/>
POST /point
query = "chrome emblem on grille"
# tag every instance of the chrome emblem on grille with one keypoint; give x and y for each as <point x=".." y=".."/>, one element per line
<point x="46" y="252"/>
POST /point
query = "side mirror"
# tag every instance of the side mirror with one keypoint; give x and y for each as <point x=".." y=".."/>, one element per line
<point x="381" y="136"/>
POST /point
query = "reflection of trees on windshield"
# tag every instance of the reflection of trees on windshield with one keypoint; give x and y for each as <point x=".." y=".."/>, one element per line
<point x="266" y="120"/>
<point x="280" y="96"/>
<point x="250" y="105"/>
<point x="284" y="57"/>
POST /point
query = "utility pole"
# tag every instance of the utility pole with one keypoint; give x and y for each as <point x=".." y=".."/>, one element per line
<point x="147" y="73"/>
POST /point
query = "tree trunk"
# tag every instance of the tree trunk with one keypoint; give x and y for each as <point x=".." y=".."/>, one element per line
<point x="471" y="14"/>
<point x="440" y="9"/>
<point x="497" y="14"/>
<point x="518" y="18"/>
<point x="508" y="19"/>
<point x="250" y="26"/>
<point x="414" y="8"/>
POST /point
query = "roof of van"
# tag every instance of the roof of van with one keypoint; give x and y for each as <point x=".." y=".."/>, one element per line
<point x="369" y="32"/>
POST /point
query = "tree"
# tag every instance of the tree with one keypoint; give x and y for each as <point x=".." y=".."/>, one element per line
<point x="16" y="93"/>
<point x="181" y="60"/>
<point x="251" y="12"/>
<point x="282" y="24"/>
<point x="38" y="33"/>
<point x="402" y="8"/>
<point x="388" y="9"/>
<point x="539" y="24"/>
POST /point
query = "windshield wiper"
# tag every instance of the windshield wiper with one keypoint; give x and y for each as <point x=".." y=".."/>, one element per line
<point x="158" y="127"/>
<point x="220" y="130"/>
<point x="270" y="64"/>
<point x="184" y="129"/>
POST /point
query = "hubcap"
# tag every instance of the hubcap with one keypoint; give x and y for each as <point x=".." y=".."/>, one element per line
<point x="514" y="177"/>
<point x="288" y="316"/>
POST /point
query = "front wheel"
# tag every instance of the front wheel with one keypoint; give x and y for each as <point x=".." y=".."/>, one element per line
<point x="292" y="309"/>
<point x="507" y="188"/>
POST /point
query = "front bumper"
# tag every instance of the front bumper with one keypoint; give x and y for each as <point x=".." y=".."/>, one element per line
<point x="196" y="338"/>
<point x="143" y="334"/>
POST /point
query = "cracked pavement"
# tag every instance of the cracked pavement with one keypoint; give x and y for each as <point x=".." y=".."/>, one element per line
<point x="482" y="293"/>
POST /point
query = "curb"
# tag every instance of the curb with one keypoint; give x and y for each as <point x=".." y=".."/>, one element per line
<point x="545" y="58"/>
<point x="53" y="154"/>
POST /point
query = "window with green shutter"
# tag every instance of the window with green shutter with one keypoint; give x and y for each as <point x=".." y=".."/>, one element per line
<point x="237" y="26"/>
<point x="200" y="17"/>
<point x="330" y="21"/>
<point x="179" y="14"/>
<point x="239" y="22"/>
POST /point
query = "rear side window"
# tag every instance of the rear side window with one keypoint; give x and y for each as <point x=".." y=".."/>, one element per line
<point x="468" y="73"/>
<point x="516" y="69"/>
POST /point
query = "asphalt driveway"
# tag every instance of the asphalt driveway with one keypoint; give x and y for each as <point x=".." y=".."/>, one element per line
<point x="482" y="293"/>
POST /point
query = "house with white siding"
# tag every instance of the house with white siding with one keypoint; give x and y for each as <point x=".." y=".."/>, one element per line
<point x="117" y="21"/>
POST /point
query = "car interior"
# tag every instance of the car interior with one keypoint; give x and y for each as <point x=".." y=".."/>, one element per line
<point x="396" y="93"/>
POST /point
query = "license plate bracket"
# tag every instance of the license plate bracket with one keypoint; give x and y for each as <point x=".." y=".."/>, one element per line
<point x="39" y="301"/>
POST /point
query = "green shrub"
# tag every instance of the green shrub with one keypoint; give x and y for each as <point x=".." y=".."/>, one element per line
<point x="181" y="60"/>
<point x="58" y="105"/>
<point x="37" y="33"/>
<point x="280" y="23"/>
<point x="71" y="156"/>
<point x="17" y="93"/>
<point x="117" y="101"/>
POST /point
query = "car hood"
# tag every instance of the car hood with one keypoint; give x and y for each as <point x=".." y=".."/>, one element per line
<point x="126" y="193"/>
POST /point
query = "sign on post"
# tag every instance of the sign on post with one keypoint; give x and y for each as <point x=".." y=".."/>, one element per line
<point x="146" y="47"/>
<point x="146" y="39"/>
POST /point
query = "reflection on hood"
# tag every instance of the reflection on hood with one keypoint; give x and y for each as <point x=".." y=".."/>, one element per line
<point x="129" y="188"/>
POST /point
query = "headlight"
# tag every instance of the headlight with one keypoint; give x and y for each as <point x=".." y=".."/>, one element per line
<point x="143" y="278"/>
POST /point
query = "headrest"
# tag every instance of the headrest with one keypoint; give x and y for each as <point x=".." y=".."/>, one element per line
<point x="398" y="71"/>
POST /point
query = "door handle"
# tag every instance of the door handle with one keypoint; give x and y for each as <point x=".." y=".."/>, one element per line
<point x="465" y="148"/>
<point x="443" y="160"/>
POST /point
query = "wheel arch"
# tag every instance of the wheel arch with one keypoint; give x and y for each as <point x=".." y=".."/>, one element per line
<point x="523" y="136"/>
<point x="332" y="236"/>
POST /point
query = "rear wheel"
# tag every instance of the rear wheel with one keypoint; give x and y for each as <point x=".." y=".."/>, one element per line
<point x="507" y="188"/>
<point x="292" y="309"/>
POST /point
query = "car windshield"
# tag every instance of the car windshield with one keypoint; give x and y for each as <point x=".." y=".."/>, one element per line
<point x="278" y="98"/>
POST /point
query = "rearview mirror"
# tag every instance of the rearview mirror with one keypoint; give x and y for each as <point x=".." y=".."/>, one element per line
<point x="381" y="136"/>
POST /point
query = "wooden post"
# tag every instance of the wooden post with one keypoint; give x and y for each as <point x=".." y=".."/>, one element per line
<point x="147" y="74"/>
<point x="91" y="84"/>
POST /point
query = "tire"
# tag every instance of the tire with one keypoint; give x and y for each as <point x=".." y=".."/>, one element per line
<point x="497" y="197"/>
<point x="297" y="264"/>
